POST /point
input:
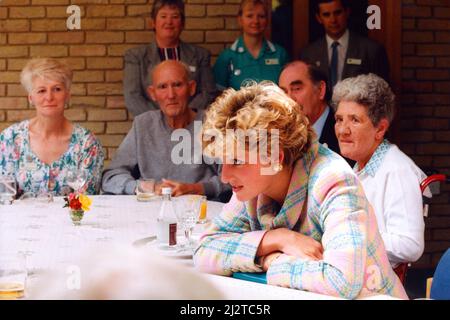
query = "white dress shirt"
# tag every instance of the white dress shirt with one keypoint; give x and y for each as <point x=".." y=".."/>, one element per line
<point x="320" y="123"/>
<point x="391" y="181"/>
<point x="342" y="51"/>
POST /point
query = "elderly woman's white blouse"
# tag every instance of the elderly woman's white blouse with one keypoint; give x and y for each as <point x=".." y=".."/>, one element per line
<point x="391" y="181"/>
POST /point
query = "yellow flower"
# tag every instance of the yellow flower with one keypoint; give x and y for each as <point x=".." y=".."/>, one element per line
<point x="85" y="202"/>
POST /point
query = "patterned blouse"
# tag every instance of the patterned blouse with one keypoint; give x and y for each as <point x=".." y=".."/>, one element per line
<point x="326" y="202"/>
<point x="32" y="175"/>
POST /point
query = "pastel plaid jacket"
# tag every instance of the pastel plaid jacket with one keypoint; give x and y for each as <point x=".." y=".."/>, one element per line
<point x="325" y="201"/>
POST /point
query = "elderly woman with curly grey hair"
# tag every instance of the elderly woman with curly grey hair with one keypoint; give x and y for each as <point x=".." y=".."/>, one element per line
<point x="298" y="212"/>
<point x="40" y="152"/>
<point x="365" y="107"/>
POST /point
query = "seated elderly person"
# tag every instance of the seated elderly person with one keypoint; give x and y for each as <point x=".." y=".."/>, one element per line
<point x="40" y="153"/>
<point x="365" y="107"/>
<point x="298" y="211"/>
<point x="149" y="150"/>
<point x="168" y="20"/>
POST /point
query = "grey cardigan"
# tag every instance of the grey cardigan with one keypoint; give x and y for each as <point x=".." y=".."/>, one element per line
<point x="140" y="60"/>
<point x="147" y="151"/>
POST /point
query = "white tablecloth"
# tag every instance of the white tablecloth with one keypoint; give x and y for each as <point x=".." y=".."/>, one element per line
<point x="46" y="235"/>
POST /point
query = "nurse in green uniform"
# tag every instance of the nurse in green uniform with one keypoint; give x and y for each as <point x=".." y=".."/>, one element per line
<point x="251" y="56"/>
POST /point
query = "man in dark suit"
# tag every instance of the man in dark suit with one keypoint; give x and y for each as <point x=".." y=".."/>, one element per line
<point x="307" y="85"/>
<point x="342" y="53"/>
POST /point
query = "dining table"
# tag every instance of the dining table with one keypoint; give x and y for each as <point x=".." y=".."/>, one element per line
<point x="43" y="232"/>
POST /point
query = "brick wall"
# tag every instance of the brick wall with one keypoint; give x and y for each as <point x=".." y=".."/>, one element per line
<point x="30" y="28"/>
<point x="425" y="116"/>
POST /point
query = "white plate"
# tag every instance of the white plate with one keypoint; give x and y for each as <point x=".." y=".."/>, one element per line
<point x="142" y="242"/>
<point x="154" y="245"/>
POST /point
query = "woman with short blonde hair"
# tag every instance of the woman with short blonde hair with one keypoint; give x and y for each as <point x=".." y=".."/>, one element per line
<point x="47" y="68"/>
<point x="298" y="212"/>
<point x="251" y="57"/>
<point x="40" y="152"/>
<point x="266" y="112"/>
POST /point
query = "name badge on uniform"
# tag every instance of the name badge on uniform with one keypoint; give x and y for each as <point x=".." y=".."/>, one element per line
<point x="192" y="68"/>
<point x="356" y="62"/>
<point x="271" y="62"/>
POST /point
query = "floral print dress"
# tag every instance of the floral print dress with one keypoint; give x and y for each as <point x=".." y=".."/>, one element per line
<point x="32" y="175"/>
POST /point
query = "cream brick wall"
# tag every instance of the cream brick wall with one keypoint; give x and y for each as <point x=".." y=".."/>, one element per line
<point x="32" y="28"/>
<point x="29" y="28"/>
<point x="426" y="108"/>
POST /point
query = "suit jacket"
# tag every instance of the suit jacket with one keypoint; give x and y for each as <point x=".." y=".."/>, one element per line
<point x="363" y="56"/>
<point x="140" y="60"/>
<point x="328" y="135"/>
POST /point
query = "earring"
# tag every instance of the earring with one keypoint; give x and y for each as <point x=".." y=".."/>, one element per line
<point x="277" y="167"/>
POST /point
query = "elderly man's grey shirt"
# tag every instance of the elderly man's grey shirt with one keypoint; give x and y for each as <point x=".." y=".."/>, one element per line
<point x="146" y="152"/>
<point x="140" y="60"/>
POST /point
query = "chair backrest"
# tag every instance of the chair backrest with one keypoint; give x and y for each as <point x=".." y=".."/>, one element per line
<point x="402" y="268"/>
<point x="433" y="178"/>
<point x="440" y="287"/>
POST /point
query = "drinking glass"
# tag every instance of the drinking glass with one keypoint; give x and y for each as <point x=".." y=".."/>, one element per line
<point x="8" y="189"/>
<point x="187" y="212"/>
<point x="145" y="189"/>
<point x="43" y="197"/>
<point x="76" y="178"/>
<point x="13" y="275"/>
<point x="203" y="210"/>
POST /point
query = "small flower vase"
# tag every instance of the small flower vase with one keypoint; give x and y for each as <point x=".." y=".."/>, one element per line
<point x="76" y="216"/>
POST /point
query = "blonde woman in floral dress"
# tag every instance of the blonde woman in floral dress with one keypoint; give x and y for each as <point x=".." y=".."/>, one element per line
<point x="40" y="152"/>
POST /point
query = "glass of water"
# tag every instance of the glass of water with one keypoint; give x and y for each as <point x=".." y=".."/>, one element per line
<point x="8" y="189"/>
<point x="76" y="178"/>
<point x="13" y="275"/>
<point x="187" y="209"/>
<point x="145" y="189"/>
<point x="43" y="197"/>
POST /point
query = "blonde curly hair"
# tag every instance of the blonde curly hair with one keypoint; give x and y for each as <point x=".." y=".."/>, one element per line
<point x="261" y="107"/>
